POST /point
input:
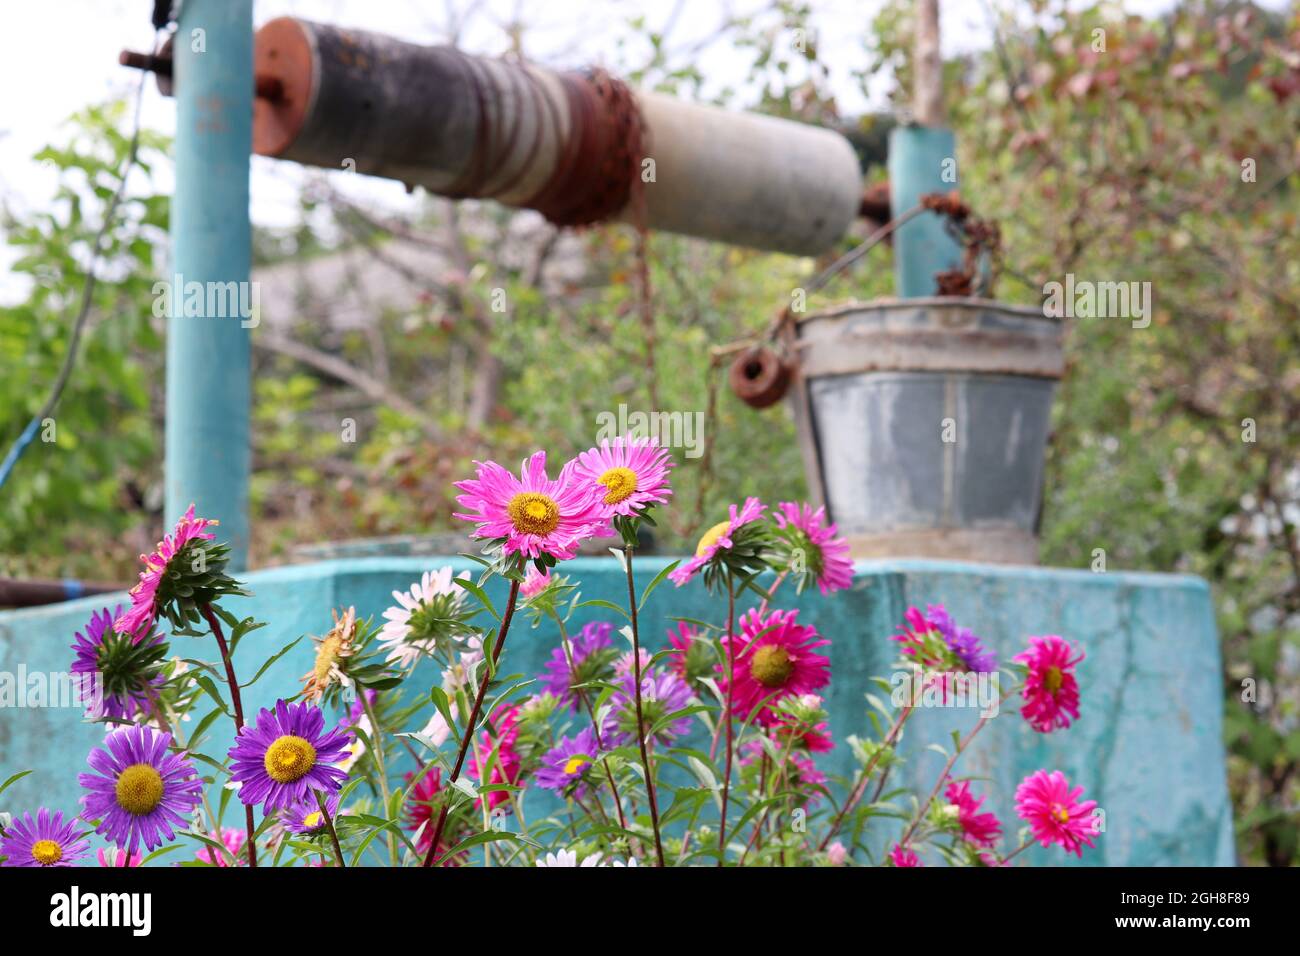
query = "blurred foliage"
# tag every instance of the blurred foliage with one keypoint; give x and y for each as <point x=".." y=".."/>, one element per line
<point x="72" y="505"/>
<point x="1117" y="164"/>
<point x="1124" y="149"/>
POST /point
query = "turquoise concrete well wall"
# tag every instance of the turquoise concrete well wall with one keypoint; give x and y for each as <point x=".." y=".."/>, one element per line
<point x="1147" y="746"/>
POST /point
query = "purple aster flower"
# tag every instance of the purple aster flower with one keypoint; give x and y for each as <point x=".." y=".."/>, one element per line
<point x="140" y="792"/>
<point x="286" y="755"/>
<point x="962" y="640"/>
<point x="306" y="819"/>
<point x="662" y="693"/>
<point x="119" y="677"/>
<point x="48" y="840"/>
<point x="592" y="655"/>
<point x="567" y="764"/>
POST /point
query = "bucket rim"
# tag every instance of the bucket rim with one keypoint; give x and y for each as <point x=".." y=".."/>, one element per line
<point x="959" y="302"/>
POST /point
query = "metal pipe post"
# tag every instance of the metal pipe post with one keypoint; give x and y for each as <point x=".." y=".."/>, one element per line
<point x="208" y="399"/>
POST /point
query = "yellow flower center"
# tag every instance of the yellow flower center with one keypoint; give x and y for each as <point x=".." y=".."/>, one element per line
<point x="576" y="763"/>
<point x="771" y="666"/>
<point x="46" y="852"/>
<point x="326" y="655"/>
<point x="533" y="513"/>
<point x="139" y="789"/>
<point x="289" y="759"/>
<point x="312" y="820"/>
<point x="620" y="481"/>
<point x="1053" y="679"/>
<point x="1059" y="813"/>
<point x="711" y="537"/>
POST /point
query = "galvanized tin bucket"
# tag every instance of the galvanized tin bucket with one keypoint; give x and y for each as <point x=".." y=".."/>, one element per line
<point x="924" y="423"/>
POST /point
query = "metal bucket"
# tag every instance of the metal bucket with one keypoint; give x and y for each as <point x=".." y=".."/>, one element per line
<point x="924" y="422"/>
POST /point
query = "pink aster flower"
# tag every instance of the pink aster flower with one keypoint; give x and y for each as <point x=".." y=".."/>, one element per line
<point x="1051" y="692"/>
<point x="623" y="665"/>
<point x="718" y="538"/>
<point x="532" y="514"/>
<point x="630" y="475"/>
<point x="506" y="764"/>
<point x="824" y="555"/>
<point x="837" y="854"/>
<point x="138" y="620"/>
<point x="233" y="840"/>
<point x="774" y="655"/>
<point x="534" y="583"/>
<point x="1054" y="811"/>
<point x="812" y="737"/>
<point x="981" y="829"/>
<point x="680" y="640"/>
<point x="902" y="856"/>
<point x="113" y="856"/>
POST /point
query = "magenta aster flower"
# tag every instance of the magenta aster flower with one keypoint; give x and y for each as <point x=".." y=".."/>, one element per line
<point x="119" y="676"/>
<point x="233" y="840"/>
<point x="139" y="619"/>
<point x="812" y="737"/>
<point x="281" y="760"/>
<point x="140" y="793"/>
<point x="532" y="515"/>
<point x="718" y="539"/>
<point x="804" y="773"/>
<point x="1054" y="811"/>
<point x="1051" y="692"/>
<point x="957" y="648"/>
<point x="902" y="856"/>
<point x="808" y="536"/>
<point x="593" y="655"/>
<point x="507" y="766"/>
<point x="564" y="767"/>
<point x="48" y="840"/>
<point x="662" y="693"/>
<point x="774" y="655"/>
<point x="631" y="475"/>
<point x="981" y="829"/>
<point x="420" y="815"/>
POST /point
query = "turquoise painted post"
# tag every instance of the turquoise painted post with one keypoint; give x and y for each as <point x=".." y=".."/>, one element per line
<point x="207" y="442"/>
<point x="922" y="159"/>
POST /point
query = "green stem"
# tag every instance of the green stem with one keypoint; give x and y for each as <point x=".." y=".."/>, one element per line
<point x="731" y="692"/>
<point x="640" y="726"/>
<point x="215" y="625"/>
<point x="860" y="787"/>
<point x="583" y="703"/>
<point x="329" y="825"/>
<point x="377" y="747"/>
<point x="947" y="768"/>
<point x="471" y="724"/>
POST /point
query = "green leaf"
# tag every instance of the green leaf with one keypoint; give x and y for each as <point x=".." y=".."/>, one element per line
<point x="658" y="579"/>
<point x="608" y="605"/>
<point x="271" y="660"/>
<point x="479" y="595"/>
<point x="14" y="779"/>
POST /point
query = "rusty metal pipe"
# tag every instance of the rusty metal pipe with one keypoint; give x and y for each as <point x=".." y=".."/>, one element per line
<point x="566" y="144"/>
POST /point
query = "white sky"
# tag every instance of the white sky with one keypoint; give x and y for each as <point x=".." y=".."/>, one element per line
<point x="56" y="56"/>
